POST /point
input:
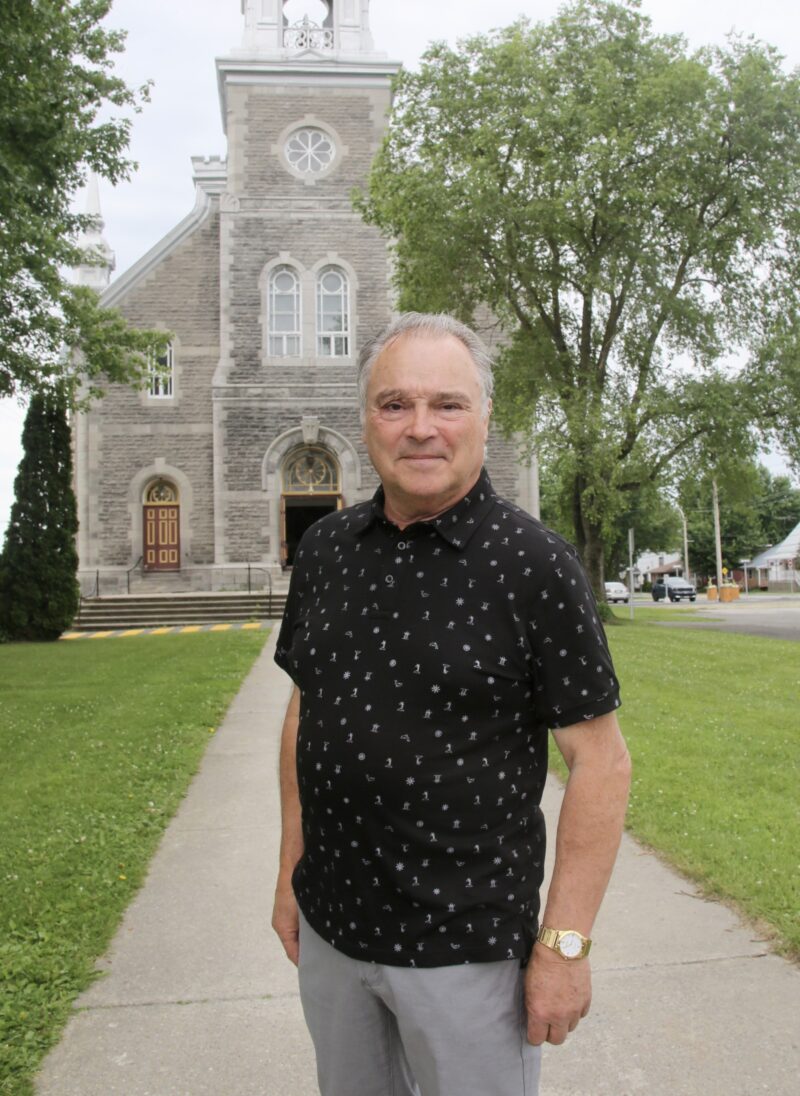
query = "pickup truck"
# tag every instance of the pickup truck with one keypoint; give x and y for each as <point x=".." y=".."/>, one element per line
<point x="674" y="588"/>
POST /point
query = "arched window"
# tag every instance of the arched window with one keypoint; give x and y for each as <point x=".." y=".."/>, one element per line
<point x="310" y="470"/>
<point x="284" y="313"/>
<point x="161" y="491"/>
<point x="161" y="374"/>
<point x="333" y="313"/>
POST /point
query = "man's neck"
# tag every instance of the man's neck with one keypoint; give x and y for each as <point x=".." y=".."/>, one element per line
<point x="403" y="512"/>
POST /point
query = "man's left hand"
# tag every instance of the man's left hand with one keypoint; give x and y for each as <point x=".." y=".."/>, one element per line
<point x="558" y="993"/>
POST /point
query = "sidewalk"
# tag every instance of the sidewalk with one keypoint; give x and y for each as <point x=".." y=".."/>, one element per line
<point x="198" y="999"/>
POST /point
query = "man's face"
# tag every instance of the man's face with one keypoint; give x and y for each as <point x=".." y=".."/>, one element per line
<point x="425" y="426"/>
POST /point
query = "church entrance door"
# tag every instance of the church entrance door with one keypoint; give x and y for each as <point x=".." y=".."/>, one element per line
<point x="310" y="477"/>
<point x="162" y="528"/>
<point x="299" y="515"/>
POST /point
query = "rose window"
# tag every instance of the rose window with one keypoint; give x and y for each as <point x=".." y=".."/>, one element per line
<point x="310" y="151"/>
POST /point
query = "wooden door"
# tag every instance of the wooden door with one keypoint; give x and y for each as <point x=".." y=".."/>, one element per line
<point x="162" y="536"/>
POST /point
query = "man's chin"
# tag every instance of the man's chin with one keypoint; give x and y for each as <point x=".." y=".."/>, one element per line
<point x="424" y="476"/>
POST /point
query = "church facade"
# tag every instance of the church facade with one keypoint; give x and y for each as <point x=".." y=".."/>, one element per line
<point x="248" y="429"/>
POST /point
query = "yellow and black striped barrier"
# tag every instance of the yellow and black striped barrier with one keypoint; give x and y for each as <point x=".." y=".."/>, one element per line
<point x="174" y="630"/>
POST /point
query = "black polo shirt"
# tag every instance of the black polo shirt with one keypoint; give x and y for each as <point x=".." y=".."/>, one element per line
<point x="431" y="663"/>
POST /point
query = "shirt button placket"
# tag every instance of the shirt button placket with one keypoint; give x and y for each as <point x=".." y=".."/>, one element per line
<point x="394" y="579"/>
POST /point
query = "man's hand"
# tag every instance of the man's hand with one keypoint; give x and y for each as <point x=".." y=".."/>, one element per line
<point x="286" y="919"/>
<point x="558" y="993"/>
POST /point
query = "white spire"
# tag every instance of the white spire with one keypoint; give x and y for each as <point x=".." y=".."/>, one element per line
<point x="93" y="200"/>
<point x="92" y="241"/>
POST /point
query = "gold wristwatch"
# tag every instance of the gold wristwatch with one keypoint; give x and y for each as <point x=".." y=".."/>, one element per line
<point x="568" y="943"/>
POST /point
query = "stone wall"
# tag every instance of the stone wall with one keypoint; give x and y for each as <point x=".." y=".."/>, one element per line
<point x="128" y="438"/>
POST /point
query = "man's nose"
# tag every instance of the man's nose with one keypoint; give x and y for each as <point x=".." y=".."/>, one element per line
<point x="421" y="424"/>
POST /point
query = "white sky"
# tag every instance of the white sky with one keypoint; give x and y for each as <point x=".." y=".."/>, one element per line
<point x="174" y="43"/>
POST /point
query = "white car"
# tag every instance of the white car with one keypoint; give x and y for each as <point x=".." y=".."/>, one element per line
<point x="617" y="591"/>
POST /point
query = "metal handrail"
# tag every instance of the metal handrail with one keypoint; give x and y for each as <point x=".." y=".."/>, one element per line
<point x="130" y="570"/>
<point x="249" y="578"/>
<point x="263" y="571"/>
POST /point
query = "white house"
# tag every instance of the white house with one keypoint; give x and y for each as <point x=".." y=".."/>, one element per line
<point x="778" y="564"/>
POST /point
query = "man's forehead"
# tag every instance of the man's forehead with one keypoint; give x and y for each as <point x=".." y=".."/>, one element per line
<point x="439" y="352"/>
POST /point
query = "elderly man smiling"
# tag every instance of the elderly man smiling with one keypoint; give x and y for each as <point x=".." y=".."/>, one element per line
<point x="434" y="635"/>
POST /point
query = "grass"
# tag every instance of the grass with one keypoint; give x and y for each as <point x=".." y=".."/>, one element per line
<point x="98" y="742"/>
<point x="711" y="721"/>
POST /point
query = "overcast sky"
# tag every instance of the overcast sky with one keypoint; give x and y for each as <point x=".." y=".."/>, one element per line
<point x="174" y="43"/>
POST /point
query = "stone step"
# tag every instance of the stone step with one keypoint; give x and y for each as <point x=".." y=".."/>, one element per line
<point x="121" y="600"/>
<point x="113" y="613"/>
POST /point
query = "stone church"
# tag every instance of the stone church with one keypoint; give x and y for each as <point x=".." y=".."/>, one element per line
<point x="248" y="430"/>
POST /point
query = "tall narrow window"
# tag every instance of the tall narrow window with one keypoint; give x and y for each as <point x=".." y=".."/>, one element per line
<point x="284" y="313"/>
<point x="333" y="313"/>
<point x="160" y="374"/>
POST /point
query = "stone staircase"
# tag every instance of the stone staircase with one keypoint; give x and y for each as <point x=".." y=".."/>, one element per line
<point x="104" y="614"/>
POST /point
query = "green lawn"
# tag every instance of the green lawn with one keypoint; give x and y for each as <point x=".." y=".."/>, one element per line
<point x="98" y="741"/>
<point x="712" y="724"/>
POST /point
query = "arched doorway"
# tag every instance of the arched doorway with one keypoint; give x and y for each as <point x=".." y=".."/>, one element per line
<point x="310" y="488"/>
<point x="162" y="527"/>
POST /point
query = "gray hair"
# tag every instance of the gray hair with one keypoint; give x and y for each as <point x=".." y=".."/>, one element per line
<point x="432" y="325"/>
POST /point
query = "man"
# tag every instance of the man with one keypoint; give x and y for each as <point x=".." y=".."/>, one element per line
<point x="433" y="635"/>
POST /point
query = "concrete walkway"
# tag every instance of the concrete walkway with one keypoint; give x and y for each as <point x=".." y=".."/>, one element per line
<point x="198" y="999"/>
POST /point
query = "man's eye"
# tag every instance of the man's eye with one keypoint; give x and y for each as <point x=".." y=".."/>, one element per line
<point x="393" y="406"/>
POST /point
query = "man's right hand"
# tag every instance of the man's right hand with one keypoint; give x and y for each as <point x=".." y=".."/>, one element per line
<point x="286" y="919"/>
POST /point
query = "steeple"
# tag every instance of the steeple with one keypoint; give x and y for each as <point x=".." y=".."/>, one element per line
<point x="327" y="29"/>
<point x="96" y="276"/>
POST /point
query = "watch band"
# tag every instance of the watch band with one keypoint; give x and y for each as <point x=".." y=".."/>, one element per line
<point x="568" y="943"/>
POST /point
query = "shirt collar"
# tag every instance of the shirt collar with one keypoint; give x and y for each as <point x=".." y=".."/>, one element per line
<point x="455" y="525"/>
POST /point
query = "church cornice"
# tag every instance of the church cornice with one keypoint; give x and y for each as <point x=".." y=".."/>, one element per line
<point x="252" y="71"/>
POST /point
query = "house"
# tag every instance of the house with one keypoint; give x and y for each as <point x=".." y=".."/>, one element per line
<point x="778" y="564"/>
<point x="650" y="566"/>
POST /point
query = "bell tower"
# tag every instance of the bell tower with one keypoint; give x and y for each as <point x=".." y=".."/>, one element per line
<point x="290" y="28"/>
<point x="303" y="280"/>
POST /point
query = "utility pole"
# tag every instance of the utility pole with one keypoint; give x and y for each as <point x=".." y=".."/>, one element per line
<point x="685" y="543"/>
<point x="717" y="536"/>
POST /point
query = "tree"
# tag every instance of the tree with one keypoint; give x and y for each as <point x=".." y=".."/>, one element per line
<point x="756" y="509"/>
<point x="778" y="505"/>
<point x="56" y="93"/>
<point x="39" y="592"/>
<point x="648" y="511"/>
<point x="629" y="213"/>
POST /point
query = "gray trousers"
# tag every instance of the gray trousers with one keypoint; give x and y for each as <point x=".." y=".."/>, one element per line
<point x="398" y="1031"/>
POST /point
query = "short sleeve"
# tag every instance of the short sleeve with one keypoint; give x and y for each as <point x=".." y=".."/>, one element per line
<point x="293" y="616"/>
<point x="574" y="677"/>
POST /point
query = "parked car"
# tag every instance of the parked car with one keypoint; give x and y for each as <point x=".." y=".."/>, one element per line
<point x="617" y="591"/>
<point x="674" y="588"/>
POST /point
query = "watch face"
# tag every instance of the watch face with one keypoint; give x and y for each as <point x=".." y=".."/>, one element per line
<point x="570" y="945"/>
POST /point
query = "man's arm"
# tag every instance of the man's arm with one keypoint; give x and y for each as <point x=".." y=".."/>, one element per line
<point x="558" y="991"/>
<point x="285" y="917"/>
